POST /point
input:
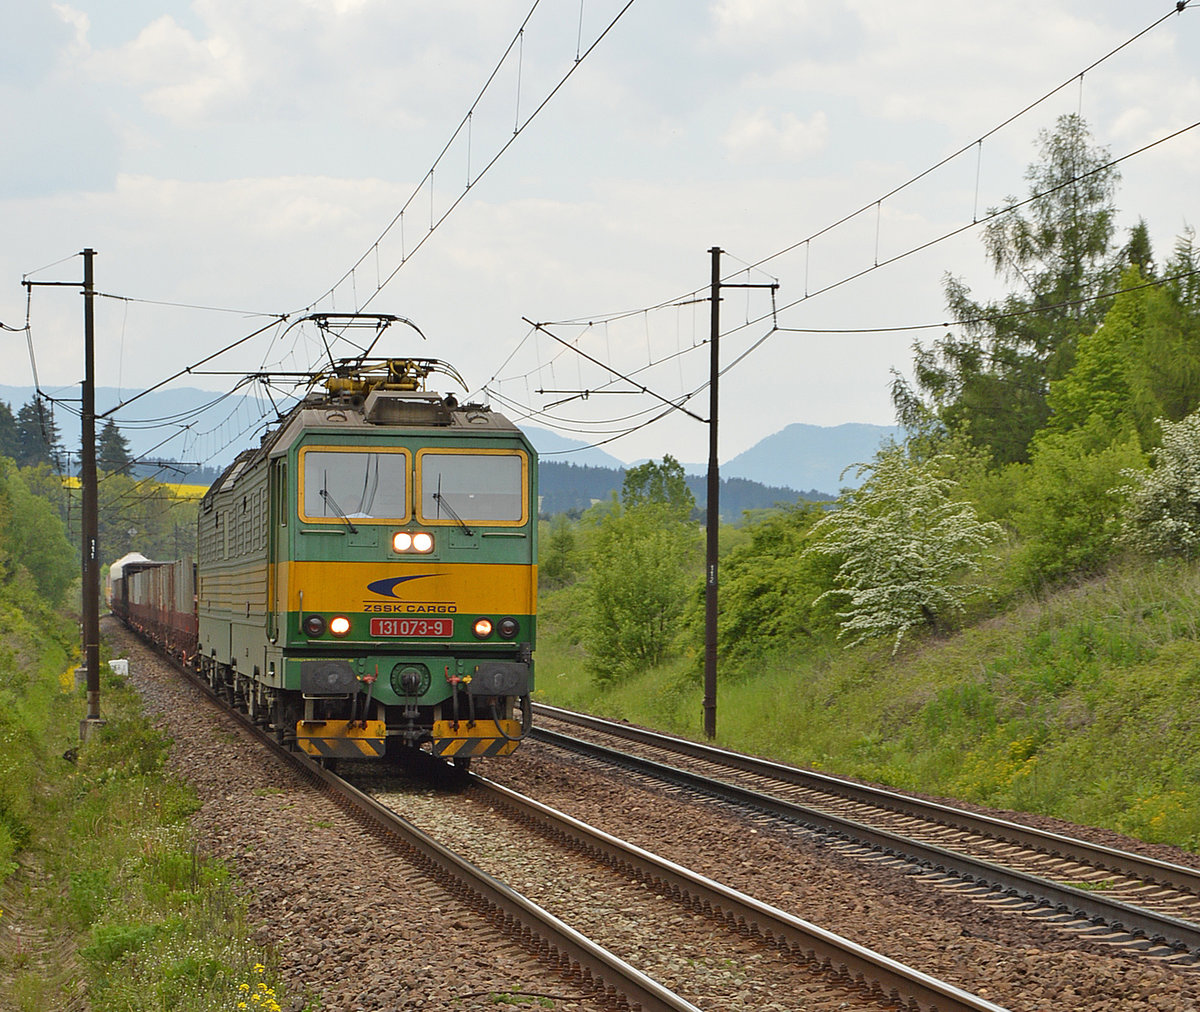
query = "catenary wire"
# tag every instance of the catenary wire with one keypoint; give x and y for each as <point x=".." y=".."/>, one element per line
<point x="520" y="128"/>
<point x="1176" y="8"/>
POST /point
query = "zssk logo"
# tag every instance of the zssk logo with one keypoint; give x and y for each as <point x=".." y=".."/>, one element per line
<point x="387" y="588"/>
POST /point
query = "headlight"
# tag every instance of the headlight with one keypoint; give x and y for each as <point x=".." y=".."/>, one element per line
<point x="508" y="628"/>
<point x="421" y="542"/>
<point x="483" y="628"/>
<point x="314" y="626"/>
<point x="339" y="625"/>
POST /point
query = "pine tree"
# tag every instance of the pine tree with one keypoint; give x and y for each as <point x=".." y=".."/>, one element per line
<point x="112" y="452"/>
<point x="37" y="436"/>
<point x="8" y="432"/>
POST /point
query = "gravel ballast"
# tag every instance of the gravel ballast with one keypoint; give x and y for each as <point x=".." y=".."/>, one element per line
<point x="352" y="925"/>
<point x="363" y="930"/>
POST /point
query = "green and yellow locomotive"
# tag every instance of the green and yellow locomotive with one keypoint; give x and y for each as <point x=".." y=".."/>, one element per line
<point x="366" y="578"/>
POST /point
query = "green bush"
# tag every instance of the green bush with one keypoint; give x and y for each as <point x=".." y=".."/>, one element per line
<point x="769" y="592"/>
<point x="112" y="941"/>
<point x="1068" y="507"/>
<point x="33" y="537"/>
<point x="644" y="562"/>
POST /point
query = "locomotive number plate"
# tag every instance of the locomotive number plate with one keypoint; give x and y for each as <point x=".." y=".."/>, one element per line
<point x="417" y="627"/>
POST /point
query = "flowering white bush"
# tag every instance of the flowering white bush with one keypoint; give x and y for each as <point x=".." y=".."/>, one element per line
<point x="1163" y="515"/>
<point x="905" y="544"/>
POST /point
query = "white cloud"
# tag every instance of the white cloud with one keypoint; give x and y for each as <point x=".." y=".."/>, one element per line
<point x="79" y="22"/>
<point x="785" y="136"/>
<point x="255" y="150"/>
<point x="179" y="77"/>
<point x="757" y="14"/>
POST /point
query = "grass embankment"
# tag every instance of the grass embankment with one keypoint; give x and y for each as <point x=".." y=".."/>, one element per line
<point x="1083" y="705"/>
<point x="106" y="902"/>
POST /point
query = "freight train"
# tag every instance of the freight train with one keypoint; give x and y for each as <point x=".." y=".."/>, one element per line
<point x="365" y="579"/>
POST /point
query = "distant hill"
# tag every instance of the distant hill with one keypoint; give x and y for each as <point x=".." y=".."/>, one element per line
<point x="811" y="456"/>
<point x="553" y="447"/>
<point x="147" y="421"/>
<point x="799" y="456"/>
<point x="570" y="487"/>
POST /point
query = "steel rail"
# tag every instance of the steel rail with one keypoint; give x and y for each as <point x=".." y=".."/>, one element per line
<point x="593" y="962"/>
<point x="1137" y="866"/>
<point x="541" y="930"/>
<point x="1083" y="904"/>
<point x="852" y="961"/>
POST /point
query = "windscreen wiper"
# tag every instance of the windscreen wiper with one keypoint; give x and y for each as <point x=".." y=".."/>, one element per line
<point x="330" y="501"/>
<point x="442" y="503"/>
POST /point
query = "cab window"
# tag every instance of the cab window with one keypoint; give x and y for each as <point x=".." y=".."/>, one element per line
<point x="487" y="488"/>
<point x="353" y="484"/>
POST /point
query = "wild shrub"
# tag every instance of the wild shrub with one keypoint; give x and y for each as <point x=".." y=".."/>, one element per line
<point x="904" y="543"/>
<point x="1163" y="513"/>
<point x="643" y="564"/>
<point x="1067" y="509"/>
<point x="769" y="590"/>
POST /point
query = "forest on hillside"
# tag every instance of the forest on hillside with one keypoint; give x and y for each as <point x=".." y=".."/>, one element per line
<point x="574" y="488"/>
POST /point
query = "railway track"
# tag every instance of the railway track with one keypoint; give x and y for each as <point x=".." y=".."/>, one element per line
<point x="568" y="951"/>
<point x="849" y="976"/>
<point x="1109" y="895"/>
<point x="790" y="957"/>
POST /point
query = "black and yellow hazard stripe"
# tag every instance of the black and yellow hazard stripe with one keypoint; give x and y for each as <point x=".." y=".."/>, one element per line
<point x="471" y="739"/>
<point x="342" y="739"/>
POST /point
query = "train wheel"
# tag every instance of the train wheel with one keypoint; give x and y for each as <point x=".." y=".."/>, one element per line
<point x="283" y="722"/>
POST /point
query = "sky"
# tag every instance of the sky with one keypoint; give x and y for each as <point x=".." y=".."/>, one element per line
<point x="236" y="163"/>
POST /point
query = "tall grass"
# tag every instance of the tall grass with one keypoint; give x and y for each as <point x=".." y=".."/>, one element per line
<point x="96" y="852"/>
<point x="1081" y="705"/>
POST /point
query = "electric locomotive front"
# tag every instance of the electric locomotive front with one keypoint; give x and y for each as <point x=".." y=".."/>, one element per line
<point x="391" y="595"/>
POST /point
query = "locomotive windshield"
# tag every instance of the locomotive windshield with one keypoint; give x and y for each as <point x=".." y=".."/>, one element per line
<point x="354" y="484"/>
<point x="473" y="487"/>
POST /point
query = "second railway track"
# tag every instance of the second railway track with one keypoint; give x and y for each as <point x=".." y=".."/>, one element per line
<point x="713" y="944"/>
<point x="1119" y="897"/>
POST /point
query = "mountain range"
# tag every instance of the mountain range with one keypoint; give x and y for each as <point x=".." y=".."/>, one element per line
<point x="799" y="458"/>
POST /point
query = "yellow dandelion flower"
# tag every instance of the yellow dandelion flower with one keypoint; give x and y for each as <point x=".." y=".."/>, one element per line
<point x="259" y="968"/>
<point x="243" y="986"/>
<point x="242" y="1004"/>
